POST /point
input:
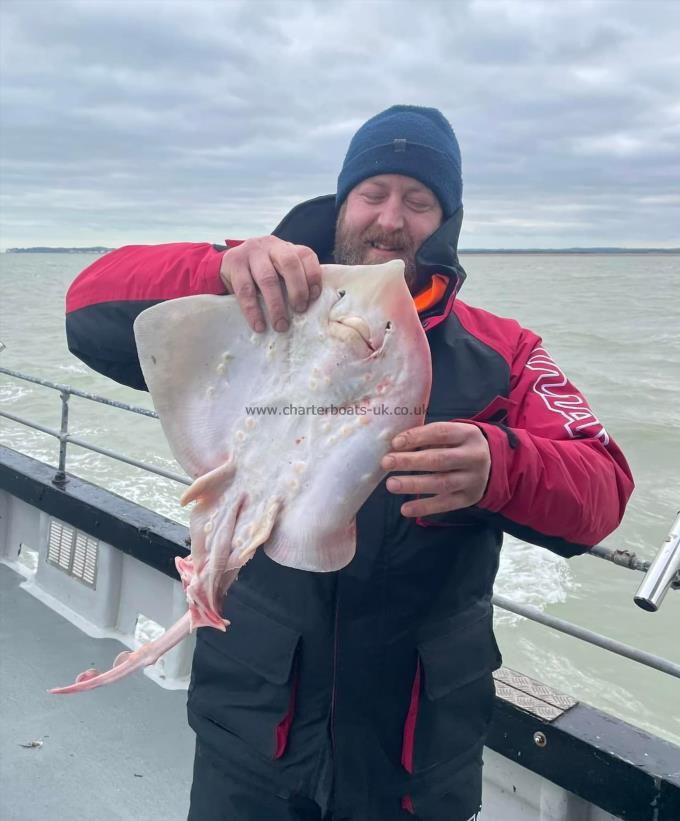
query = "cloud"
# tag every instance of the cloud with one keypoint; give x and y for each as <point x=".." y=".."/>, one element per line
<point x="159" y="121"/>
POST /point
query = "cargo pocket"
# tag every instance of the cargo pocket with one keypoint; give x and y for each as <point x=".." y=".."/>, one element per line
<point x="245" y="680"/>
<point x="452" y="696"/>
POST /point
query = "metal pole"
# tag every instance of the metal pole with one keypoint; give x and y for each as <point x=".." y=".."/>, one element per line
<point x="60" y="476"/>
<point x="74" y="440"/>
<point x="619" y="556"/>
<point x="662" y="573"/>
<point x="34" y="425"/>
<point x="614" y="646"/>
<point x="129" y="461"/>
<point x="82" y="394"/>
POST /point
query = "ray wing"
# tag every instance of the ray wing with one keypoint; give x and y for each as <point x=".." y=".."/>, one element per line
<point x="201" y="365"/>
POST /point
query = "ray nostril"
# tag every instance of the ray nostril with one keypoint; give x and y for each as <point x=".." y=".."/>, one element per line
<point x="341" y="293"/>
<point x="388" y="326"/>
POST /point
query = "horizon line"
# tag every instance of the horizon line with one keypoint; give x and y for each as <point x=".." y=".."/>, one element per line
<point x="539" y="250"/>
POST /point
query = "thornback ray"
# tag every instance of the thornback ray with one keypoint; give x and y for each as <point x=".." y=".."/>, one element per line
<point x="282" y="433"/>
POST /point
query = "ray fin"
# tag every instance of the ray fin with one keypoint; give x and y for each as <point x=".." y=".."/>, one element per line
<point x="201" y="362"/>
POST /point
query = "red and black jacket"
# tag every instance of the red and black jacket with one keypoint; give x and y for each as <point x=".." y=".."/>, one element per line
<point x="374" y="683"/>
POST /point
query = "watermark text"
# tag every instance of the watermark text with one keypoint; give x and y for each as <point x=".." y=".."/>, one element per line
<point x="379" y="409"/>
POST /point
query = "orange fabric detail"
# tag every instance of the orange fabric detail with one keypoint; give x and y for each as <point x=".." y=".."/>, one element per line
<point x="432" y="294"/>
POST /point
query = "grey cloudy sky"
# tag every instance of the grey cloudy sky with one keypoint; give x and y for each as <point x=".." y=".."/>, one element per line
<point x="153" y="121"/>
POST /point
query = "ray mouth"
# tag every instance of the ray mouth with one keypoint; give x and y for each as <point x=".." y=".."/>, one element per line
<point x="364" y="344"/>
<point x="356" y="331"/>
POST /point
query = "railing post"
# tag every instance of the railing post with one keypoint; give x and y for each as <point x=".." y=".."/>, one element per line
<point x="663" y="572"/>
<point x="60" y="476"/>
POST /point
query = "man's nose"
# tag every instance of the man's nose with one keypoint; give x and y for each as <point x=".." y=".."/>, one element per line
<point x="391" y="217"/>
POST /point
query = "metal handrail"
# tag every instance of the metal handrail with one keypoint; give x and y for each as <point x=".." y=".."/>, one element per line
<point x="64" y="437"/>
<point x="589" y="636"/>
<point x="94" y="397"/>
<point x="623" y="558"/>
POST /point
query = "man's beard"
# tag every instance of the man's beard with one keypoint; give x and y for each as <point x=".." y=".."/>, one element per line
<point x="353" y="249"/>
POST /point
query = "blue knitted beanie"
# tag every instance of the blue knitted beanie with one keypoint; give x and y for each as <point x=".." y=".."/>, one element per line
<point x="411" y="140"/>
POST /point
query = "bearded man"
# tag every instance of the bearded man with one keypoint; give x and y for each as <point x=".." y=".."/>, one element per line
<point x="366" y="694"/>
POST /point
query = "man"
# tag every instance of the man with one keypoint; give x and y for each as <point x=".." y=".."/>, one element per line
<point x="367" y="694"/>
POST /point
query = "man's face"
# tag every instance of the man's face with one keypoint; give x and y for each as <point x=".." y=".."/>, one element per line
<point x="386" y="217"/>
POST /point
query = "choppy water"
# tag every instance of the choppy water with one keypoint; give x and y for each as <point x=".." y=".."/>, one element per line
<point x="611" y="322"/>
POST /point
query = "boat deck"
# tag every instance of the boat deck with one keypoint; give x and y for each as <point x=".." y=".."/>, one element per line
<point x="127" y="748"/>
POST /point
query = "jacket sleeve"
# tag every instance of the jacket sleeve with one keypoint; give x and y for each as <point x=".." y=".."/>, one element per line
<point x="105" y="299"/>
<point x="557" y="478"/>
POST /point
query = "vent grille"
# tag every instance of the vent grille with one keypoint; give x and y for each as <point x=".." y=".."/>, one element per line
<point x="73" y="551"/>
<point x="85" y="558"/>
<point x="60" y="545"/>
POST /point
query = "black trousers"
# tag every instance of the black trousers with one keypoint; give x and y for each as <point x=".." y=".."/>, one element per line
<point x="216" y="796"/>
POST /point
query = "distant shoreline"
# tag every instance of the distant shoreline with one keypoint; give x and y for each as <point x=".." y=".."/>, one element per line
<point x="537" y="251"/>
<point x="572" y="251"/>
<point x="95" y="249"/>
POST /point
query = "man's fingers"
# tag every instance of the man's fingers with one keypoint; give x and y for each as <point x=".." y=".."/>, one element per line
<point x="244" y="289"/>
<point x="436" y="483"/>
<point x="430" y="460"/>
<point x="444" y="503"/>
<point x="269" y="283"/>
<point x="310" y="263"/>
<point x="286" y="261"/>
<point x="431" y="435"/>
<point x="283" y="273"/>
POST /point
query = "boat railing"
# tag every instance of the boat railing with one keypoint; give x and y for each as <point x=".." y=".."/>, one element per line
<point x="64" y="437"/>
<point x="661" y="574"/>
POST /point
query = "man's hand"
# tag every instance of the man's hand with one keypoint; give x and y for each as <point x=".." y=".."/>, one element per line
<point x="456" y="461"/>
<point x="264" y="265"/>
